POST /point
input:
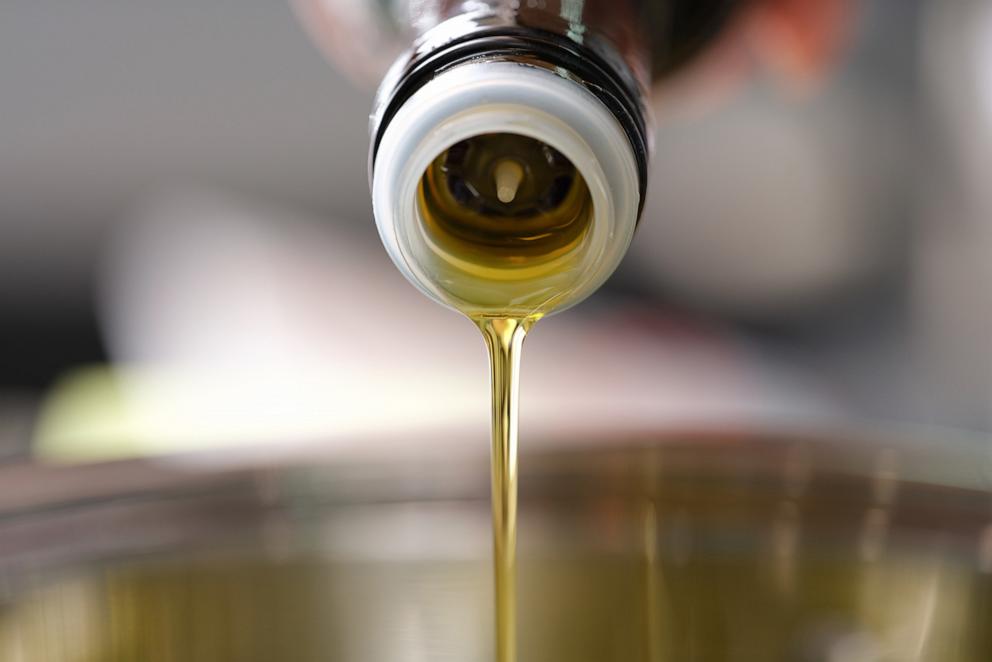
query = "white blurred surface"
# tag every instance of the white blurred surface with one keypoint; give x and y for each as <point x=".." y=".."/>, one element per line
<point x="234" y="324"/>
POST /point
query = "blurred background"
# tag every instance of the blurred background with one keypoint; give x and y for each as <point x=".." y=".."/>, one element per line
<point x="188" y="257"/>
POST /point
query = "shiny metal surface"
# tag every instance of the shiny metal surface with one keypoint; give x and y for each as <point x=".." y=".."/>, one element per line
<point x="681" y="547"/>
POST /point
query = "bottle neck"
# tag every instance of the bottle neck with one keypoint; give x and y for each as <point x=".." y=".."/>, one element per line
<point x="475" y="236"/>
<point x="461" y="41"/>
<point x="652" y="39"/>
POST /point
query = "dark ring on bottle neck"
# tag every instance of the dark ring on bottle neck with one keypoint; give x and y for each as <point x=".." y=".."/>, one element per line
<point x="554" y="52"/>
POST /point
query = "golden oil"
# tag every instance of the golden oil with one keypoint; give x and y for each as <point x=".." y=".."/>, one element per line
<point x="504" y="339"/>
<point x="507" y="187"/>
<point x="505" y="219"/>
<point x="504" y="208"/>
<point x="497" y="203"/>
<point x="657" y="550"/>
<point x="707" y="593"/>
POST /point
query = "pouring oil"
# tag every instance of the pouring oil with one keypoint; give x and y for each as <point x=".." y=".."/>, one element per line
<point x="505" y="215"/>
<point x="507" y="169"/>
<point x="504" y="339"/>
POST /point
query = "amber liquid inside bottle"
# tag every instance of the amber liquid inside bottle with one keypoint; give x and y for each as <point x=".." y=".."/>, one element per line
<point x="501" y="213"/>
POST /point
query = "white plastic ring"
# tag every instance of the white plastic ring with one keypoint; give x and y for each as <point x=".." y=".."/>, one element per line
<point x="504" y="97"/>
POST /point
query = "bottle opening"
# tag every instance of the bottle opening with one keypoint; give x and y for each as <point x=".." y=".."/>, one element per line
<point x="505" y="189"/>
<point x="503" y="200"/>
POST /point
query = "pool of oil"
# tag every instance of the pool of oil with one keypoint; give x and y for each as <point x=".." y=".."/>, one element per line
<point x="700" y="547"/>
